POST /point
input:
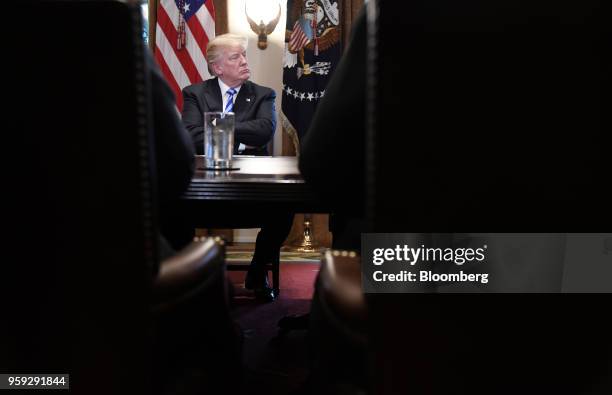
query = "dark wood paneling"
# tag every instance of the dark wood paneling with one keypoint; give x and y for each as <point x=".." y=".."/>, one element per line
<point x="220" y="17"/>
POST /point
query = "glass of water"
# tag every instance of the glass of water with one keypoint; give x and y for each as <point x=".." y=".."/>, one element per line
<point x="218" y="139"/>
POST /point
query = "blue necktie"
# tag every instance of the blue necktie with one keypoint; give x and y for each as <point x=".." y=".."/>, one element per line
<point x="229" y="107"/>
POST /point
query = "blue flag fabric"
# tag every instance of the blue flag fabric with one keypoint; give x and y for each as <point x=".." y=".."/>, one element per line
<point x="312" y="51"/>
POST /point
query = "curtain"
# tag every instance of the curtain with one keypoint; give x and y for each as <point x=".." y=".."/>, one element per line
<point x="350" y="9"/>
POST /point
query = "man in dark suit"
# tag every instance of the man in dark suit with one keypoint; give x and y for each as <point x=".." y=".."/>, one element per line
<point x="332" y="156"/>
<point x="174" y="154"/>
<point x="252" y="104"/>
<point x="255" y="122"/>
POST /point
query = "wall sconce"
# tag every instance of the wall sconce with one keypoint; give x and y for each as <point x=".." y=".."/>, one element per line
<point x="262" y="29"/>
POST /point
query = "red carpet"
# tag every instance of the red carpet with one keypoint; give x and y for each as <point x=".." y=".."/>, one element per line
<point x="274" y="365"/>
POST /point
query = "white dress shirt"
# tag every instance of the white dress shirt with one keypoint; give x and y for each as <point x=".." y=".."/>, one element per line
<point x="225" y="96"/>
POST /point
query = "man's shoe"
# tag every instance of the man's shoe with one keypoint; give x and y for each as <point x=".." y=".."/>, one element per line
<point x="257" y="280"/>
<point x="265" y="294"/>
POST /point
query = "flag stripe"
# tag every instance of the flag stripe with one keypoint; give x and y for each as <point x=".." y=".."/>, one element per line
<point x="211" y="9"/>
<point x="175" y="74"/>
<point x="298" y="42"/>
<point x="207" y="20"/>
<point x="298" y="38"/>
<point x="197" y="39"/>
<point x="197" y="47"/>
<point x="188" y="65"/>
<point x="175" y="70"/>
<point x="172" y="82"/>
<point x="182" y="55"/>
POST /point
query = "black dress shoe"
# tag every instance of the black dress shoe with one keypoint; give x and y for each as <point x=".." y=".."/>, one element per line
<point x="265" y="294"/>
<point x="257" y="280"/>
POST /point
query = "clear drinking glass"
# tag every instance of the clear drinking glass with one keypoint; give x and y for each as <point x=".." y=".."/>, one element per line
<point x="218" y="139"/>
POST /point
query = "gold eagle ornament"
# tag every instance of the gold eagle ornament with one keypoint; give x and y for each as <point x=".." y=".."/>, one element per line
<point x="262" y="30"/>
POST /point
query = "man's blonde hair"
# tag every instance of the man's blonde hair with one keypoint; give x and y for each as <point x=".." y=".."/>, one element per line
<point x="215" y="47"/>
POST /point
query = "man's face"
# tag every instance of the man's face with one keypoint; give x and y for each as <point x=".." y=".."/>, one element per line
<point x="233" y="68"/>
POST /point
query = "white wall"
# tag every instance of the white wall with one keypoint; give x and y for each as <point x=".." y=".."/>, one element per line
<point x="266" y="67"/>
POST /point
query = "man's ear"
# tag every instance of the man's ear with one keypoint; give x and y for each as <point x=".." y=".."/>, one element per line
<point x="217" y="69"/>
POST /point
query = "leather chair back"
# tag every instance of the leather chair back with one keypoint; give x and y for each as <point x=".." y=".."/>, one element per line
<point x="80" y="182"/>
<point x="496" y="121"/>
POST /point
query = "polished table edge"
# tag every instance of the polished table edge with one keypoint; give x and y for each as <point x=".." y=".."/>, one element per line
<point x="247" y="191"/>
<point x="252" y="169"/>
<point x="254" y="180"/>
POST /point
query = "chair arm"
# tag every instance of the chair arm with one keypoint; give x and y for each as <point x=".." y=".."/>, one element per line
<point x="187" y="273"/>
<point x="338" y="325"/>
<point x="340" y="286"/>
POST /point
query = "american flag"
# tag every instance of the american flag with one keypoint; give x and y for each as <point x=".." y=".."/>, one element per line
<point x="183" y="30"/>
<point x="299" y="37"/>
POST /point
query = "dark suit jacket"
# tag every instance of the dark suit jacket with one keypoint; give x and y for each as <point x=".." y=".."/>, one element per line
<point x="253" y="107"/>
<point x="332" y="152"/>
<point x="173" y="148"/>
<point x="332" y="156"/>
<point x="174" y="154"/>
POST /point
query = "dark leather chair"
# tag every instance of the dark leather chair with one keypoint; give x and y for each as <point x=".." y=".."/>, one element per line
<point x="84" y="285"/>
<point x="198" y="346"/>
<point x="338" y="327"/>
<point x="495" y="123"/>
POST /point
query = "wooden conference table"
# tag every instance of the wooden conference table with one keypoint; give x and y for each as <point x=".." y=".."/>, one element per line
<point x="243" y="198"/>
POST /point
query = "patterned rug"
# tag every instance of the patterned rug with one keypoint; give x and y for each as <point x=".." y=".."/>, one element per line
<point x="286" y="256"/>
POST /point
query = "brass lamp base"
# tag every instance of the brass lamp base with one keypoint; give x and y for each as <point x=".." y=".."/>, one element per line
<point x="307" y="244"/>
